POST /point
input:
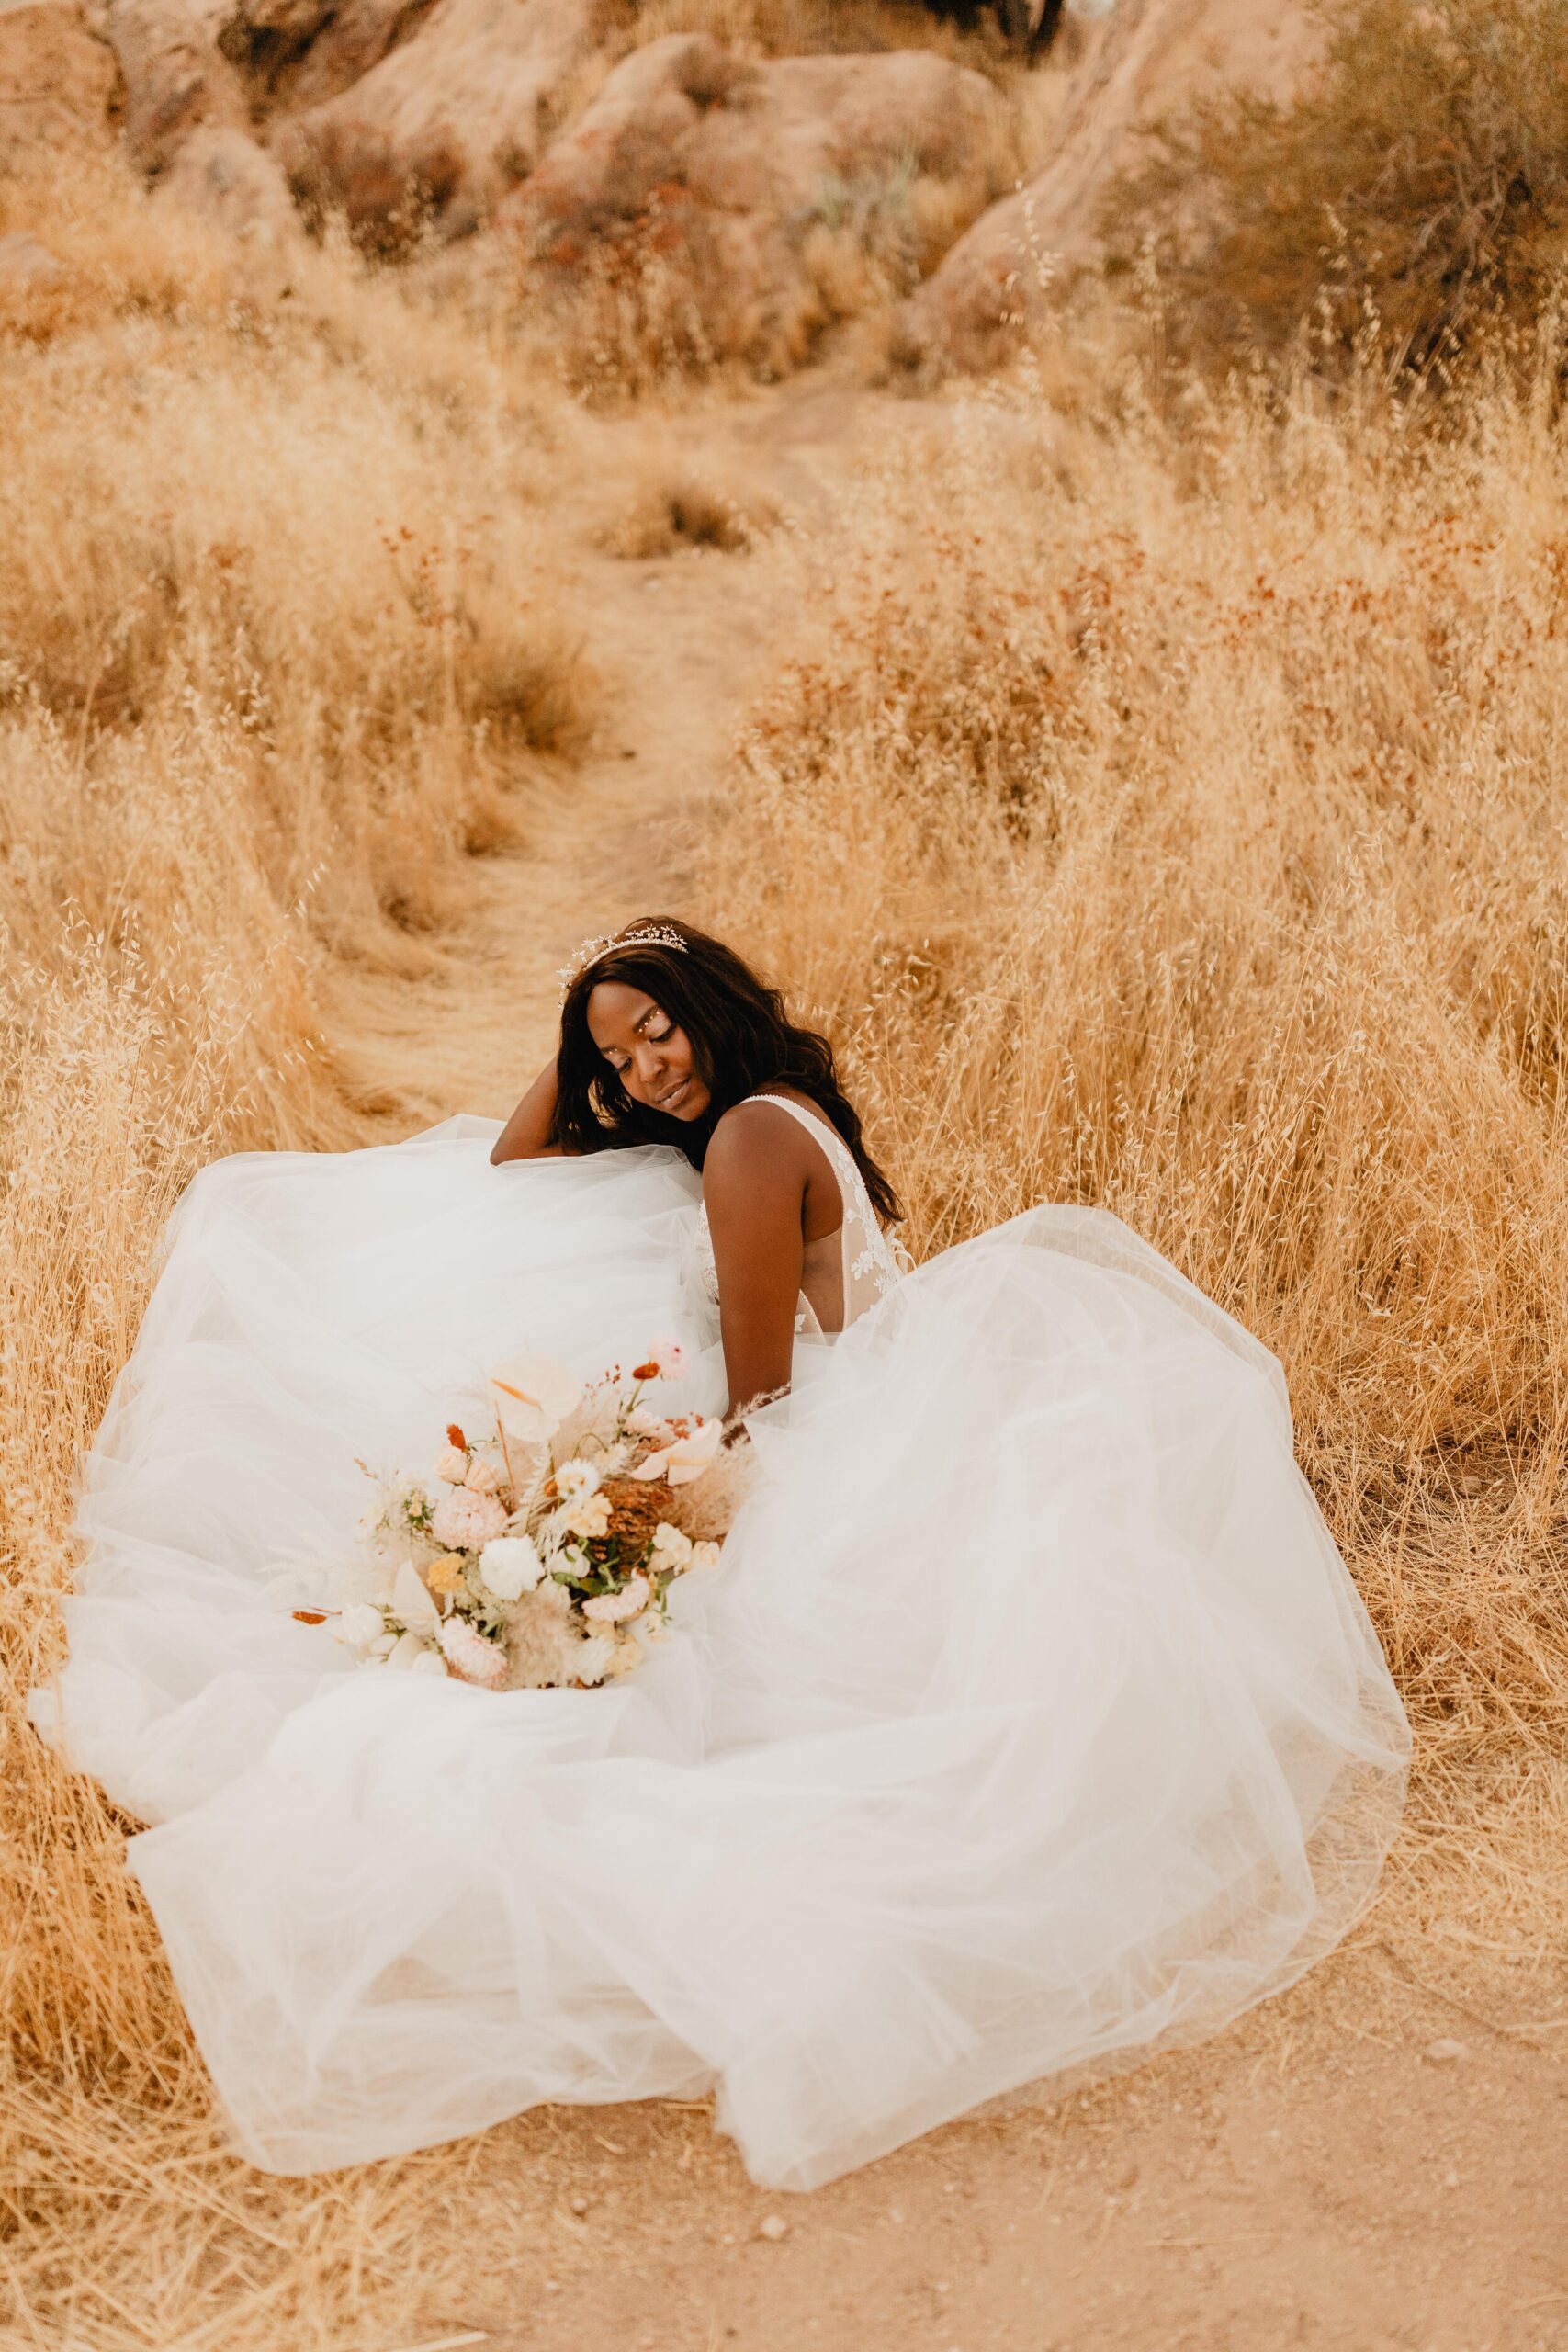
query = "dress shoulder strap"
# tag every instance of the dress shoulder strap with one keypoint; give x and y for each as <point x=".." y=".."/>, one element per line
<point x="826" y="1135"/>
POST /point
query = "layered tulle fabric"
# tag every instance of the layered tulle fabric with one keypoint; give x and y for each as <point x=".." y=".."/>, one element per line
<point x="1030" y="1722"/>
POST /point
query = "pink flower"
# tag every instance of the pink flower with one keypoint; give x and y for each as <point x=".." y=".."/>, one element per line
<point x="666" y="1361"/>
<point x="613" y="1608"/>
<point x="470" y="1656"/>
<point x="465" y="1521"/>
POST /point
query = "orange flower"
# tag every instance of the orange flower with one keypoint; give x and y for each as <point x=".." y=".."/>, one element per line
<point x="311" y="1616"/>
<point x="454" y="1436"/>
<point x="444" y="1575"/>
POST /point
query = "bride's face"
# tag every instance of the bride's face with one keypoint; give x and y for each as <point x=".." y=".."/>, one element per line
<point x="653" y="1058"/>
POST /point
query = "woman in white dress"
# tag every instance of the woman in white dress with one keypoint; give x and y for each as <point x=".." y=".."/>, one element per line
<point x="1030" y="1722"/>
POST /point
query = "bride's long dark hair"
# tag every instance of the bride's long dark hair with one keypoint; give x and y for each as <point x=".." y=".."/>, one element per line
<point x="741" y="1037"/>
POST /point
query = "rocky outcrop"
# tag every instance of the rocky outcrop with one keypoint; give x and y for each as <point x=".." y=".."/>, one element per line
<point x="227" y="179"/>
<point x="743" y="184"/>
<point x="1149" y="58"/>
<point x="56" y="83"/>
<point x="298" y="53"/>
<point x="26" y="263"/>
<point x="354" y="37"/>
<point x="177" y="79"/>
<point x="446" y="125"/>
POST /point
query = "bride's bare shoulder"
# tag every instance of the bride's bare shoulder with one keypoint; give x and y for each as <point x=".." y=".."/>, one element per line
<point x="752" y="1145"/>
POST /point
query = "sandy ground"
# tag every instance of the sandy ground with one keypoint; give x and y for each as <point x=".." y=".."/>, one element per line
<point x="1380" y="2158"/>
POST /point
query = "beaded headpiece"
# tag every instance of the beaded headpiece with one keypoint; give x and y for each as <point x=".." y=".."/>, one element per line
<point x="647" y="934"/>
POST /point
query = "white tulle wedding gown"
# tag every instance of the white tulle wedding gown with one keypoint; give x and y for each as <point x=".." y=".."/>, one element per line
<point x="1030" y="1721"/>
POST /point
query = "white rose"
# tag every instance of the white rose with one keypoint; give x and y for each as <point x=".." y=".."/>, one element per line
<point x="429" y="1662"/>
<point x="509" y="1566"/>
<point x="451" y="1463"/>
<point x="358" y="1626"/>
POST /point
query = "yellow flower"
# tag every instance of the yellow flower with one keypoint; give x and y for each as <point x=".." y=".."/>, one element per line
<point x="590" y="1519"/>
<point x="444" y="1575"/>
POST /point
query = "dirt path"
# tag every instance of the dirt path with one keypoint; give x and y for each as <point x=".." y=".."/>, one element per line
<point x="1380" y="2159"/>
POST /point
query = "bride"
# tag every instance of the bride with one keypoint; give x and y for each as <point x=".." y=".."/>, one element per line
<point x="1030" y="1722"/>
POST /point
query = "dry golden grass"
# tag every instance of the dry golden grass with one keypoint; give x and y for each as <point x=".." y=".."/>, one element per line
<point x="279" y="630"/>
<point x="1158" y="798"/>
<point x="1162" y="803"/>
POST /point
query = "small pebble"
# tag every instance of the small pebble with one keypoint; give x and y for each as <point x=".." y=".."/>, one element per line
<point x="773" y="2226"/>
<point x="1446" y="2053"/>
<point x="580" y="2204"/>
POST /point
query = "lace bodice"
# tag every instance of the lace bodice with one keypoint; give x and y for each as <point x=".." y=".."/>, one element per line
<point x="843" y="1272"/>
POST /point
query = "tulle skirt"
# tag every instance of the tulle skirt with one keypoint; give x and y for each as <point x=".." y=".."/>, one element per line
<point x="1030" y="1722"/>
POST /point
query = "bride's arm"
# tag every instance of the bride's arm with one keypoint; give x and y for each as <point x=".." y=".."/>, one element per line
<point x="527" y="1134"/>
<point x="754" y="1187"/>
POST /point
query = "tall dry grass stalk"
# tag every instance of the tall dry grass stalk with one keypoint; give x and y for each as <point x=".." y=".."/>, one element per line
<point x="279" y="629"/>
<point x="1162" y="803"/>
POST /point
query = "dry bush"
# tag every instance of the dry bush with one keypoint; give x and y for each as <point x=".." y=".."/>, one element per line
<point x="253" y="516"/>
<point x="1166" y="816"/>
<point x="665" y="499"/>
<point x="1413" y="194"/>
<point x="278" y="634"/>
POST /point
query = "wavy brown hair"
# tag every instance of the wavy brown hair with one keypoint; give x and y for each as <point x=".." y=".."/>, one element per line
<point x="742" y="1038"/>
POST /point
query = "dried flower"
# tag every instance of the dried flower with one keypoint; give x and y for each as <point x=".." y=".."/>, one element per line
<point x="470" y="1656"/>
<point x="532" y="1396"/>
<point x="483" y="1478"/>
<point x="686" y="1457"/>
<point x="614" y="1608"/>
<point x="446" y="1575"/>
<point x="591" y="1659"/>
<point x="640" y="1422"/>
<point x="590" y="1519"/>
<point x="673" y="1550"/>
<point x="511" y="1566"/>
<point x="576" y="1477"/>
<point x="406" y="1652"/>
<point x="358" y="1626"/>
<point x="464" y="1521"/>
<point x="455" y="1437"/>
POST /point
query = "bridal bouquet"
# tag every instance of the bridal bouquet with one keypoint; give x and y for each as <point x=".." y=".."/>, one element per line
<point x="539" y="1552"/>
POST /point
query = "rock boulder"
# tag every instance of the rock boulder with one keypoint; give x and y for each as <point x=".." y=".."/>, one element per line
<point x="177" y="79"/>
<point x="227" y="178"/>
<point x="1149" y="58"/>
<point x="57" y="79"/>
<point x="745" y="187"/>
<point x="446" y="125"/>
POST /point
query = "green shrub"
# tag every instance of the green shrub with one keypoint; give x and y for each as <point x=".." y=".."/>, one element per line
<point x="1415" y="190"/>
